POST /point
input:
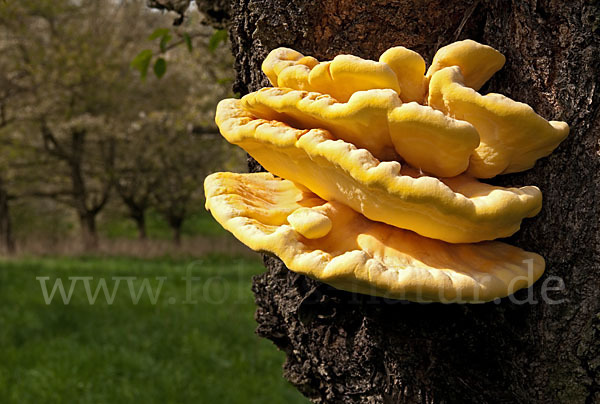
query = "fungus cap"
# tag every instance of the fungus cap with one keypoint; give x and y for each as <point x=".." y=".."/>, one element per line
<point x="398" y="69"/>
<point x="409" y="68"/>
<point x="512" y="136"/>
<point x="456" y="210"/>
<point x="477" y="62"/>
<point x="359" y="255"/>
<point x="375" y="120"/>
<point x="292" y="65"/>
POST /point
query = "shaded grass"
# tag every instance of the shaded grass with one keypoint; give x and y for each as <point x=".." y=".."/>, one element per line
<point x="167" y="352"/>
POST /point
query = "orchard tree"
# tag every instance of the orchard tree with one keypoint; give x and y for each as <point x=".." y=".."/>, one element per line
<point x="12" y="90"/>
<point x="182" y="159"/>
<point x="74" y="61"/>
<point x="165" y="153"/>
<point x="87" y="87"/>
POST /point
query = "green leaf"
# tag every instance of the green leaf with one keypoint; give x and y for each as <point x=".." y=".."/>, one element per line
<point x="142" y="61"/>
<point x="188" y="41"/>
<point x="160" y="67"/>
<point x="158" y="33"/>
<point x="219" y="36"/>
<point x="164" y="41"/>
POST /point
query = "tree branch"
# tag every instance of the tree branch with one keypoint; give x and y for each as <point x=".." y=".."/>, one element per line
<point x="51" y="145"/>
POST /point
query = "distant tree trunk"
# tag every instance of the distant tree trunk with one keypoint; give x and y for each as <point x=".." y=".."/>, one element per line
<point x="137" y="204"/>
<point x="344" y="349"/>
<point x="89" y="233"/>
<point x="87" y="215"/>
<point x="140" y="221"/>
<point x="177" y="235"/>
<point x="176" y="223"/>
<point x="6" y="235"/>
<point x="137" y="213"/>
<point x="88" y="204"/>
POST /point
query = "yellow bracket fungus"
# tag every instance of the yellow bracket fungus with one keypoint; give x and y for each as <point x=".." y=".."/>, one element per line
<point x="512" y="135"/>
<point x="399" y="69"/>
<point x="411" y="130"/>
<point x="352" y="253"/>
<point x="378" y="163"/>
<point x="310" y="223"/>
<point x="477" y="62"/>
<point x="456" y="210"/>
<point x="296" y="66"/>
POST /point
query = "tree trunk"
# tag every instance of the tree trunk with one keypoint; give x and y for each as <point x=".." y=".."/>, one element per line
<point x="7" y="242"/>
<point x="89" y="234"/>
<point x="177" y="235"/>
<point x="139" y="217"/>
<point x="141" y="226"/>
<point x="176" y="223"/>
<point x="343" y="348"/>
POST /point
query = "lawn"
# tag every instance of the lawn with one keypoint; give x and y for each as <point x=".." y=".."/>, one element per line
<point x="191" y="341"/>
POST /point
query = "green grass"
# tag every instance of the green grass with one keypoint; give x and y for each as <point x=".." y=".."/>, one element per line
<point x="168" y="352"/>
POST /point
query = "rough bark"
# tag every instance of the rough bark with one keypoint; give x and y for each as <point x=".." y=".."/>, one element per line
<point x="358" y="349"/>
<point x="217" y="13"/>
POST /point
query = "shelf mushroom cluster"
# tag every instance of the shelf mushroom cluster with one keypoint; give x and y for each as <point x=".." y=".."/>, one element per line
<point x="377" y="166"/>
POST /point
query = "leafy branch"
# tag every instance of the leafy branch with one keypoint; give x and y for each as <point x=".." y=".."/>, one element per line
<point x="144" y="59"/>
